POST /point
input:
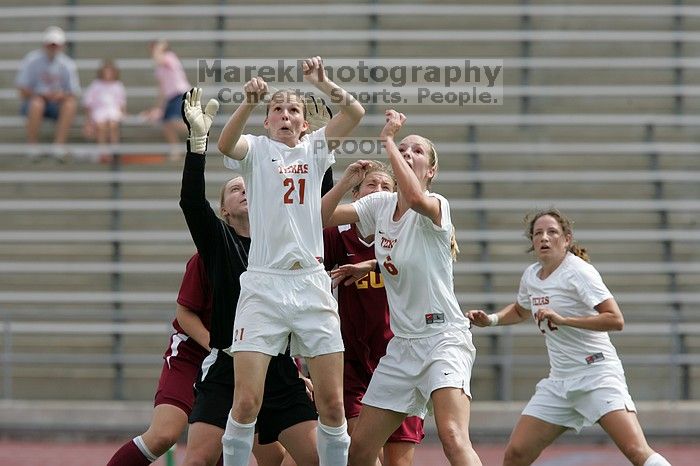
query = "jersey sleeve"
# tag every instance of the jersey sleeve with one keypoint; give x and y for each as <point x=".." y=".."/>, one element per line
<point x="589" y="285"/>
<point x="523" y="294"/>
<point x="445" y="216"/>
<point x="245" y="165"/>
<point x="367" y="209"/>
<point x="319" y="146"/>
<point x="195" y="290"/>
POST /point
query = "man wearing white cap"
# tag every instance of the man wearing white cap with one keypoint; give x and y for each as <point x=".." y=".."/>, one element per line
<point x="48" y="84"/>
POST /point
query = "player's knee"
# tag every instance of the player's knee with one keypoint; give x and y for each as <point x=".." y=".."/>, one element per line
<point x="360" y="454"/>
<point x="331" y="414"/>
<point x="246" y="406"/>
<point x="517" y="455"/>
<point x="161" y="441"/>
<point x="455" y="442"/>
<point x="331" y="410"/>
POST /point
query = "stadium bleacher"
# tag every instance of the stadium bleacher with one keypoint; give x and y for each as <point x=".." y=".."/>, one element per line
<point x="600" y="119"/>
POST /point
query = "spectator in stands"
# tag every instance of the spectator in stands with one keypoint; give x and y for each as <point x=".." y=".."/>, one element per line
<point x="187" y="348"/>
<point x="284" y="171"/>
<point x="287" y="412"/>
<point x="105" y="104"/>
<point x="574" y="310"/>
<point x="364" y="316"/>
<point x="429" y="360"/>
<point x="172" y="84"/>
<point x="48" y="85"/>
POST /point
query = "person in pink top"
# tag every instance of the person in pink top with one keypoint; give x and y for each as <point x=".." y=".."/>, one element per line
<point x="105" y="104"/>
<point x="172" y="85"/>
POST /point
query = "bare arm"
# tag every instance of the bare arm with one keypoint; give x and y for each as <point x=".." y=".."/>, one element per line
<point x="347" y="274"/>
<point x="609" y="318"/>
<point x="409" y="186"/>
<point x="193" y="326"/>
<point x="509" y="315"/>
<point x="351" y="111"/>
<point x="231" y="144"/>
<point x="333" y="214"/>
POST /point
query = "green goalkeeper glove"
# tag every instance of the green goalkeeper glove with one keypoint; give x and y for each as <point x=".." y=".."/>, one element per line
<point x="198" y="122"/>
<point x="318" y="114"/>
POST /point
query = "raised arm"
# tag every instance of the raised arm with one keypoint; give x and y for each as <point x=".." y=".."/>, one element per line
<point x="350" y="110"/>
<point x="333" y="214"/>
<point x="200" y="217"/>
<point x="411" y="189"/>
<point x="231" y="144"/>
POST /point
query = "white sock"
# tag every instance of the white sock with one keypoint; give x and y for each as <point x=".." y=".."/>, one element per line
<point x="237" y="442"/>
<point x="333" y="445"/>
<point x="141" y="445"/>
<point x="656" y="460"/>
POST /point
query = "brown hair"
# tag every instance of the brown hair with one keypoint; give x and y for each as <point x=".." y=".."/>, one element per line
<point x="375" y="166"/>
<point x="107" y="64"/>
<point x="287" y="93"/>
<point x="566" y="225"/>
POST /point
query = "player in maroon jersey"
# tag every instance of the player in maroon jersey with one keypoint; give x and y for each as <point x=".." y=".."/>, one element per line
<point x="188" y="346"/>
<point x="364" y="316"/>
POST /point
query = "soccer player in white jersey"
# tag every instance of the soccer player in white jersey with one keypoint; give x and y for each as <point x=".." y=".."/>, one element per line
<point x="286" y="291"/>
<point x="574" y="310"/>
<point x="428" y="363"/>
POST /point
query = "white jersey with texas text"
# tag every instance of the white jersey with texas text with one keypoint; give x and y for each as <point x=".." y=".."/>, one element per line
<point x="283" y="187"/>
<point x="414" y="255"/>
<point x="572" y="290"/>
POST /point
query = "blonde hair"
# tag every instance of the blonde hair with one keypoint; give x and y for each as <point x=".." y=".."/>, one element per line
<point x="454" y="247"/>
<point x="432" y="156"/>
<point x="375" y="166"/>
<point x="566" y="225"/>
<point x="222" y="194"/>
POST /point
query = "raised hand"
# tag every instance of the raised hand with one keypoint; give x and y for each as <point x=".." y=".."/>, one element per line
<point x="313" y="70"/>
<point x="394" y="122"/>
<point x="318" y="113"/>
<point x="255" y="90"/>
<point x="354" y="174"/>
<point x="198" y="122"/>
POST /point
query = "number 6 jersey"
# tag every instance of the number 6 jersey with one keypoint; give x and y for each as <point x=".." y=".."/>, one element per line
<point x="414" y="255"/>
<point x="283" y="188"/>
